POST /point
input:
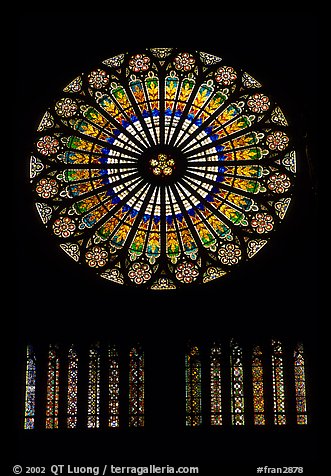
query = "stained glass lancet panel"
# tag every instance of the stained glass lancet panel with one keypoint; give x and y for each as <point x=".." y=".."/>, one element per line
<point x="113" y="386"/>
<point x="72" y="393"/>
<point x="258" y="387"/>
<point x="193" y="387"/>
<point x="136" y="387"/>
<point x="215" y="386"/>
<point x="237" y="385"/>
<point x="278" y="383"/>
<point x="53" y="388"/>
<point x="300" y="385"/>
<point x="93" y="398"/>
<point x="30" y="389"/>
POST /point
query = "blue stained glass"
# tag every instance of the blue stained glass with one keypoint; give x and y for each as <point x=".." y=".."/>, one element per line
<point x="200" y="206"/>
<point x="179" y="217"/>
<point x="134" y="118"/>
<point x="145" y="113"/>
<point x="156" y="219"/>
<point x="178" y="113"/>
<point x="116" y="200"/>
<point x="155" y="112"/>
<point x="219" y="148"/>
<point x="125" y="123"/>
<point x="146" y="218"/>
<point x="191" y="212"/>
<point x="214" y="137"/>
<point x="106" y="152"/>
<point x="198" y="122"/>
<point x="169" y="219"/>
<point x="168" y="111"/>
<point x="133" y="213"/>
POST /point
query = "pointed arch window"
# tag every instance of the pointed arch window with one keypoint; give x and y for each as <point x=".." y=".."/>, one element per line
<point x="53" y="388"/>
<point x="237" y="385"/>
<point x="136" y="387"/>
<point x="258" y="387"/>
<point x="93" y="402"/>
<point x="30" y="389"/>
<point x="193" y="387"/>
<point x="113" y="387"/>
<point x="215" y="385"/>
<point x="300" y="385"/>
<point x="72" y="393"/>
<point x="278" y="383"/>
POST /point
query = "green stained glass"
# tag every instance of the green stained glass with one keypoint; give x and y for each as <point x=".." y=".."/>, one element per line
<point x="163" y="166"/>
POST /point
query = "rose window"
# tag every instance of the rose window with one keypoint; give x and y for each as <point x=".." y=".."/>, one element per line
<point x="163" y="168"/>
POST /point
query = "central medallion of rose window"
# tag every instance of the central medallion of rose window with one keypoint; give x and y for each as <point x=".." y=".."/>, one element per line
<point x="162" y="165"/>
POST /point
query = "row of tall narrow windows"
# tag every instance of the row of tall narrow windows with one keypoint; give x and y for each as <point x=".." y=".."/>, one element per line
<point x="257" y="370"/>
<point x="221" y="372"/>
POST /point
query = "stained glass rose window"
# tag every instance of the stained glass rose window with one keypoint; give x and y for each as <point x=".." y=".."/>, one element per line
<point x="163" y="168"/>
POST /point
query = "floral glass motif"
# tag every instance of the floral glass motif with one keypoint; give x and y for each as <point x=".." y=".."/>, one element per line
<point x="278" y="383"/>
<point x="93" y="398"/>
<point x="215" y="385"/>
<point x="258" y="387"/>
<point x="30" y="389"/>
<point x="113" y="388"/>
<point x="300" y="385"/>
<point x="163" y="168"/>
<point x="136" y="387"/>
<point x="53" y="388"/>
<point x="237" y="385"/>
<point x="72" y="392"/>
<point x="193" y="387"/>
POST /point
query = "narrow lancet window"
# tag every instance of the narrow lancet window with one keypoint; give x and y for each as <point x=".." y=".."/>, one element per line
<point x="278" y="383"/>
<point x="113" y="386"/>
<point x="93" y="400"/>
<point x="136" y="387"/>
<point x="215" y="385"/>
<point x="193" y="387"/>
<point x="30" y="389"/>
<point x="258" y="387"/>
<point x="72" y="395"/>
<point x="53" y="388"/>
<point x="237" y="385"/>
<point x="300" y="385"/>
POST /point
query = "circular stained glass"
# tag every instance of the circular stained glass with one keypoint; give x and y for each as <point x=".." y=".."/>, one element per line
<point x="162" y="168"/>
